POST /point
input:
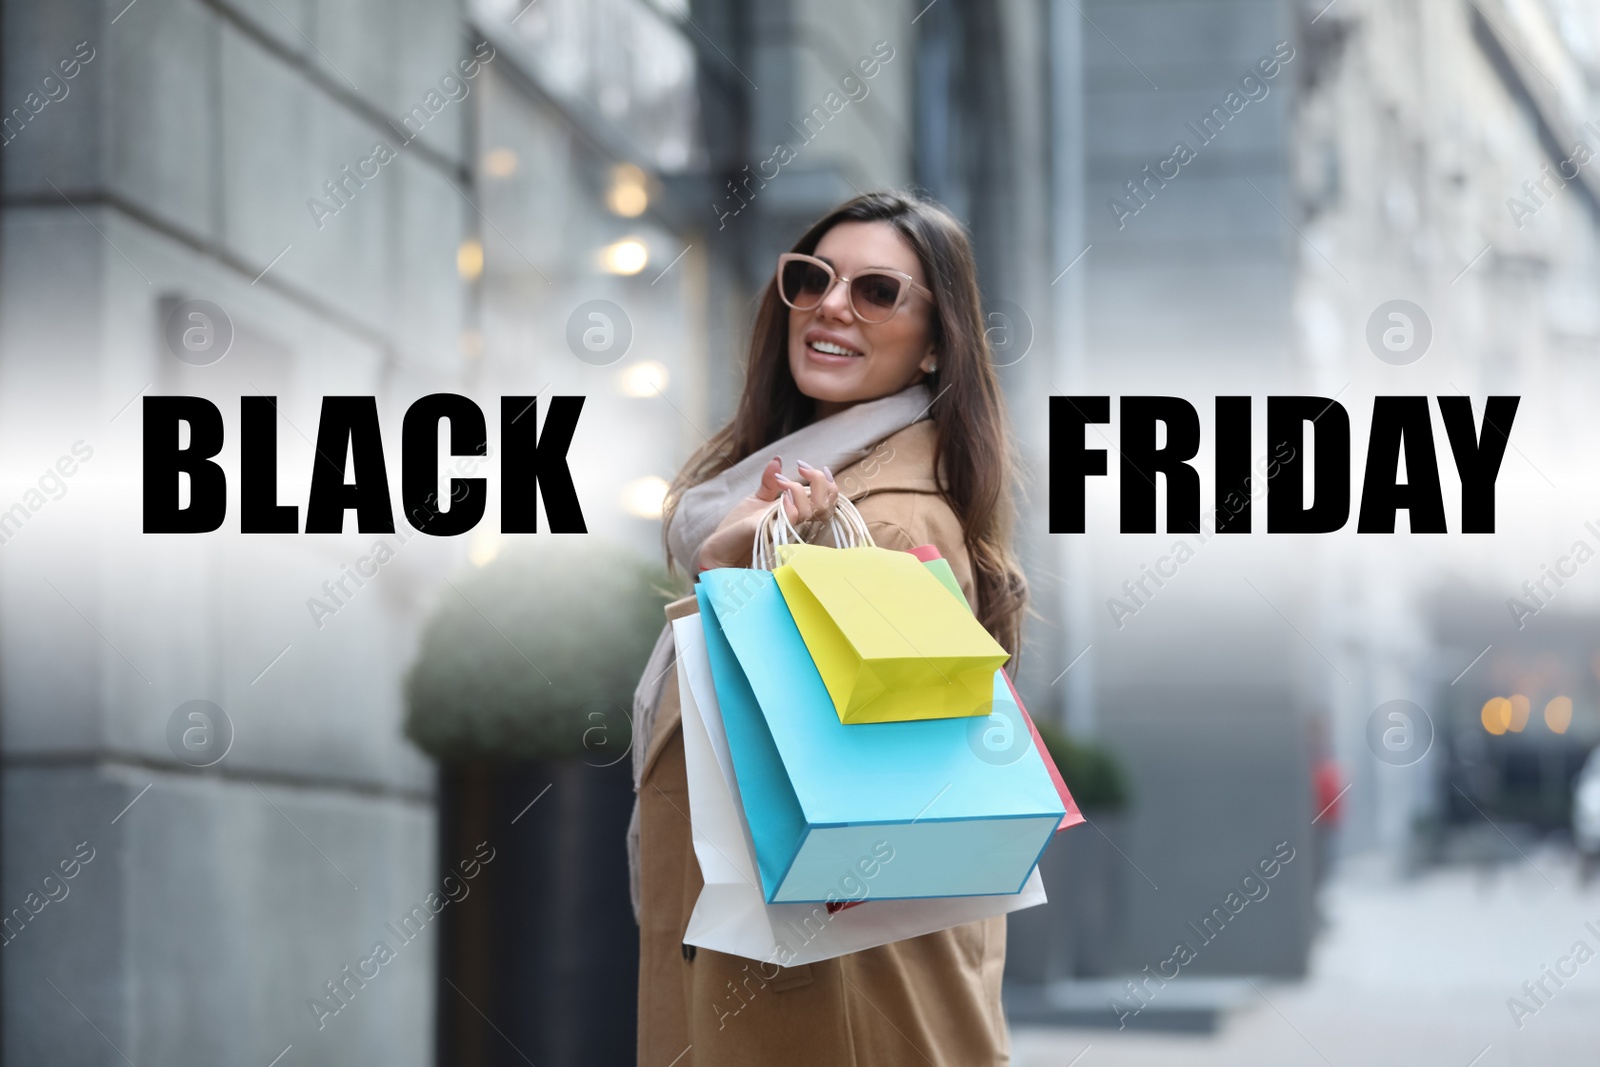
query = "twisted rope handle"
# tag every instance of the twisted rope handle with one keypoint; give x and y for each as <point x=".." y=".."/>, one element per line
<point x="849" y="530"/>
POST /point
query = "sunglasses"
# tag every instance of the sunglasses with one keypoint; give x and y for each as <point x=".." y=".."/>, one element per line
<point x="874" y="294"/>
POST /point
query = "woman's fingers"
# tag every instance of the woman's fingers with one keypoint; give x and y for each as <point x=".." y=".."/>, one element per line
<point x="771" y="479"/>
<point x="831" y="490"/>
<point x="824" y="494"/>
<point x="800" y="506"/>
<point x="809" y="500"/>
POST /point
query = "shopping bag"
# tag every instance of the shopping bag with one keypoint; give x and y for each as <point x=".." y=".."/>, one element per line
<point x="940" y="568"/>
<point x="820" y="794"/>
<point x="731" y="914"/>
<point x="887" y="639"/>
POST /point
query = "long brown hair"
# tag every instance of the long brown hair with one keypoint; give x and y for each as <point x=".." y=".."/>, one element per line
<point x="973" y="455"/>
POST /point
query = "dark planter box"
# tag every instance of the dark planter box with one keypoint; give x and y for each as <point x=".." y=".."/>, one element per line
<point x="1074" y="934"/>
<point x="540" y="961"/>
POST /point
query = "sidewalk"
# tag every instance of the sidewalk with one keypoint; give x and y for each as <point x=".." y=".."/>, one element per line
<point x="1406" y="973"/>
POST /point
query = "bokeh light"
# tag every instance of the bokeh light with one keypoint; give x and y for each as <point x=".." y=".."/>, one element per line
<point x="500" y="163"/>
<point x="1496" y="715"/>
<point x="643" y="497"/>
<point x="483" y="548"/>
<point x="1558" y="714"/>
<point x="1520" y="707"/>
<point x="648" y="378"/>
<point x="629" y="194"/>
<point x="469" y="259"/>
<point x="627" y="256"/>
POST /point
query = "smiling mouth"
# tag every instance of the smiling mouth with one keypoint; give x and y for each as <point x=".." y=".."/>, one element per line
<point x="828" y="348"/>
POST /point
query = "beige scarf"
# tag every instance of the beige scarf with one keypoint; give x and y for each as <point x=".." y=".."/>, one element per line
<point x="834" y="442"/>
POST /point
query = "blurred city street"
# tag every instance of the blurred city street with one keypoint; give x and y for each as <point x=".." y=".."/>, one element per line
<point x="262" y="743"/>
<point x="1407" y="972"/>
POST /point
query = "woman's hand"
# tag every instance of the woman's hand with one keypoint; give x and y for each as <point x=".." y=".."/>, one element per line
<point x="812" y="500"/>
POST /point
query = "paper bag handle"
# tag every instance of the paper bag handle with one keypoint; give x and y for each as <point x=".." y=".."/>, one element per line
<point x="849" y="530"/>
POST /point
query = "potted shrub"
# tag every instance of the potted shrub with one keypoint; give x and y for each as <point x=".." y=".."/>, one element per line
<point x="522" y="690"/>
<point x="1072" y="935"/>
<point x="1091" y="772"/>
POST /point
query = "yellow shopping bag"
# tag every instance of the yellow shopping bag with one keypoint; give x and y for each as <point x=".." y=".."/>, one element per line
<point x="888" y="639"/>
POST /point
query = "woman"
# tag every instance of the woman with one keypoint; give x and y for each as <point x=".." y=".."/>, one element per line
<point x="869" y="369"/>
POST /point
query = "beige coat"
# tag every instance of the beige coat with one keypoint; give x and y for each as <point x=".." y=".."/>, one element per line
<point x="933" y="999"/>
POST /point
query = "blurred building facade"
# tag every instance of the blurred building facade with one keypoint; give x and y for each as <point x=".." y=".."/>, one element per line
<point x="375" y="202"/>
<point x="227" y="153"/>
<point x="489" y="198"/>
<point x="1335" y="158"/>
<point x="1443" y="155"/>
<point x="1173" y="273"/>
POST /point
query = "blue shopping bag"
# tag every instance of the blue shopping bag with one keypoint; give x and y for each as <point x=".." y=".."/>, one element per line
<point x="922" y="808"/>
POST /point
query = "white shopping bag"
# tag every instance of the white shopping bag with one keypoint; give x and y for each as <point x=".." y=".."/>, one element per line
<point x="731" y="914"/>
